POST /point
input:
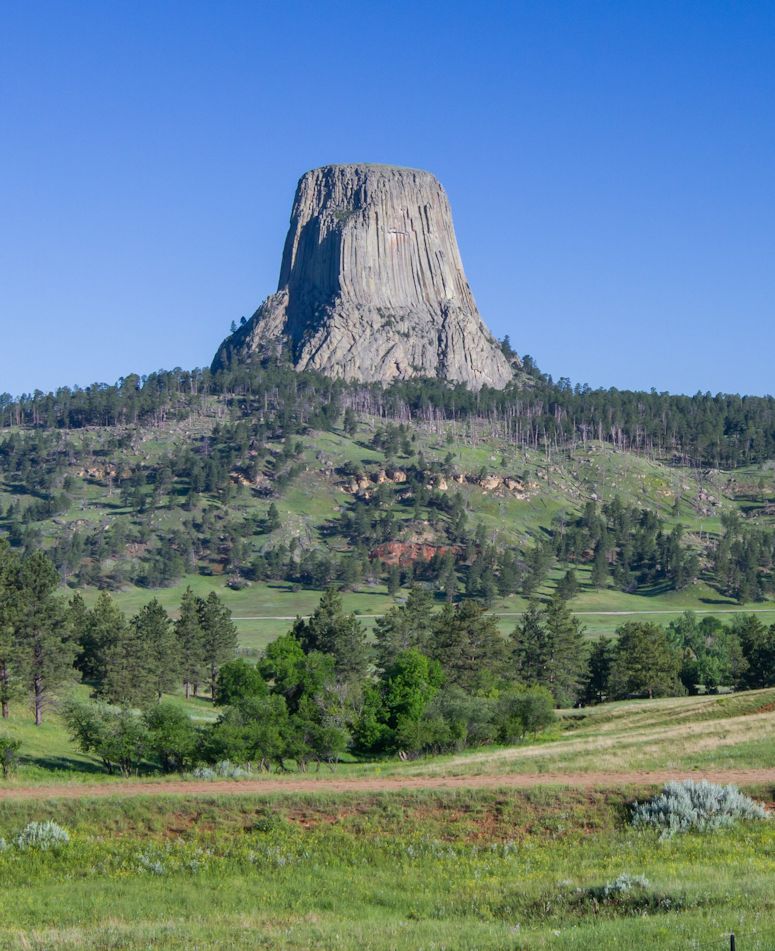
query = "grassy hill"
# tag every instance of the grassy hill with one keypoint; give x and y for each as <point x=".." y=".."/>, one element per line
<point x="111" y="505"/>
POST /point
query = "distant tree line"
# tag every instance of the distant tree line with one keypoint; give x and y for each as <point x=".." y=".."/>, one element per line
<point x="719" y="430"/>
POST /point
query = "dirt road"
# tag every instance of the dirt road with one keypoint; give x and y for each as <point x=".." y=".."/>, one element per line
<point x="327" y="785"/>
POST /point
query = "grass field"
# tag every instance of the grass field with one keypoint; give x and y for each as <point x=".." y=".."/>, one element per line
<point x="469" y="868"/>
<point x="464" y="870"/>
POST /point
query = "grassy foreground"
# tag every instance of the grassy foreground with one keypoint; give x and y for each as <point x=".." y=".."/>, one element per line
<point x="457" y="870"/>
<point x="433" y="869"/>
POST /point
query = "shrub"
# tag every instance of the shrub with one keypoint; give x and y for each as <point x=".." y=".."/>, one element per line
<point x="623" y="884"/>
<point x="42" y="836"/>
<point x="686" y="805"/>
<point x="118" y="737"/>
<point x="522" y="711"/>
<point x="171" y="736"/>
<point x="9" y="755"/>
<point x="222" y="770"/>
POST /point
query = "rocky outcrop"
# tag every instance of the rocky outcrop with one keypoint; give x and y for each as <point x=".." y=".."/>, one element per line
<point x="372" y="286"/>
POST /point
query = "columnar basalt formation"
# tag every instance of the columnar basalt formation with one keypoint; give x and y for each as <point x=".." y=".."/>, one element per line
<point x="372" y="286"/>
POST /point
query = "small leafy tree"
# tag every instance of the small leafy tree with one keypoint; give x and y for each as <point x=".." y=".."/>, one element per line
<point x="117" y="736"/>
<point x="172" y="737"/>
<point x="523" y="711"/>
<point x="238" y="680"/>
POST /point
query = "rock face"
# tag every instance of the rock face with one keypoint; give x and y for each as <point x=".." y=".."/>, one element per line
<point x="372" y="286"/>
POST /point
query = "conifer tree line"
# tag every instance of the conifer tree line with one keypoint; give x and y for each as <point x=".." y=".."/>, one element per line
<point x="48" y="643"/>
<point x="628" y="548"/>
<point x="721" y="430"/>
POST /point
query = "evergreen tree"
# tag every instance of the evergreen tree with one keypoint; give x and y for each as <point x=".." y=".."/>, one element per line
<point x="273" y="521"/>
<point x="46" y="649"/>
<point x="10" y="607"/>
<point x="96" y="631"/>
<point x="159" y="634"/>
<point x="79" y="618"/>
<point x="403" y="627"/>
<point x="142" y="664"/>
<point x="531" y="648"/>
<point x="330" y="631"/>
<point x="758" y="646"/>
<point x="219" y="637"/>
<point x="599" y="573"/>
<point x="568" y="586"/>
<point x="466" y="642"/>
<point x="350" y="423"/>
<point x="393" y="580"/>
<point x="645" y="663"/>
<point x="190" y="638"/>
<point x="596" y="686"/>
<point x="548" y="648"/>
<point x="448" y="578"/>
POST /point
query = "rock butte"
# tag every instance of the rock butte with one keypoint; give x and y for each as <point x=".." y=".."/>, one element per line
<point x="371" y="286"/>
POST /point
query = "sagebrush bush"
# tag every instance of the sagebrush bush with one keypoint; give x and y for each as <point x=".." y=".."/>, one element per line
<point x="223" y="770"/>
<point x="42" y="836"/>
<point x="686" y="805"/>
<point x="624" y="884"/>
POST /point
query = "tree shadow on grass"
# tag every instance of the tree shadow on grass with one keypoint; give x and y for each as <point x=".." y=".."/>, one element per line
<point x="62" y="764"/>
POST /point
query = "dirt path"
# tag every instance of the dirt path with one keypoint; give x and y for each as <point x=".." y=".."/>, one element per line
<point x="329" y="784"/>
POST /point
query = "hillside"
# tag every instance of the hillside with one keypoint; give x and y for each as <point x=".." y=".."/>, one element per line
<point x="268" y="500"/>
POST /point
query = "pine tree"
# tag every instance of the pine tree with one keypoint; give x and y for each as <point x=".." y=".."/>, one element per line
<point x="758" y="647"/>
<point x="96" y="631"/>
<point x="129" y="669"/>
<point x="531" y="648"/>
<point x="568" y="587"/>
<point x="143" y="663"/>
<point x="10" y="606"/>
<point x="404" y="627"/>
<point x="190" y="638"/>
<point x="393" y="580"/>
<point x="645" y="664"/>
<point x="350" y="423"/>
<point x="219" y="637"/>
<point x="599" y="573"/>
<point x="466" y="642"/>
<point x="596" y="685"/>
<point x="548" y="648"/>
<point x="272" y="521"/>
<point x="331" y="631"/>
<point x="46" y="649"/>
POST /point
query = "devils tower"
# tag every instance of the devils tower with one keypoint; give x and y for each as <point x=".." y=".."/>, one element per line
<point x="372" y="286"/>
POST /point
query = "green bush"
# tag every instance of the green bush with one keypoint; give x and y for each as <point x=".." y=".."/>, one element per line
<point x="9" y="755"/>
<point x="523" y="711"/>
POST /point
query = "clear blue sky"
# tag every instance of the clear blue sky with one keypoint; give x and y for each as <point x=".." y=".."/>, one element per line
<point x="611" y="168"/>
